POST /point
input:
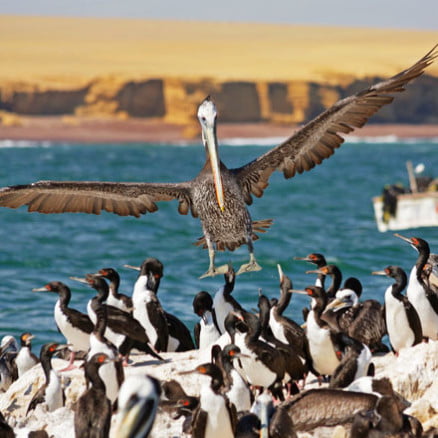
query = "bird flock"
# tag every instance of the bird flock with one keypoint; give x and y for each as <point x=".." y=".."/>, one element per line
<point x="254" y="365"/>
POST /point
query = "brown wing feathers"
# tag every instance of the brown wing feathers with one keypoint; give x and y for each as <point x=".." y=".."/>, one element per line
<point x="124" y="199"/>
<point x="319" y="138"/>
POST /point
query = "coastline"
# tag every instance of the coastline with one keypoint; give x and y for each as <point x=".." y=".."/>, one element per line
<point x="137" y="130"/>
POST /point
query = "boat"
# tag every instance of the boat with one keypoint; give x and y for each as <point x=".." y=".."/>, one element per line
<point x="400" y="208"/>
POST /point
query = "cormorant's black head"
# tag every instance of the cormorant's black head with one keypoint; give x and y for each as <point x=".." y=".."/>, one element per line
<point x="53" y="286"/>
<point x="51" y="349"/>
<point x="315" y="258"/>
<point x="109" y="273"/>
<point x="202" y="302"/>
<point x="354" y="284"/>
<point x="416" y="242"/>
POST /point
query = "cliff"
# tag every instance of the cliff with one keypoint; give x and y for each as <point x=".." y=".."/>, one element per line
<point x="175" y="100"/>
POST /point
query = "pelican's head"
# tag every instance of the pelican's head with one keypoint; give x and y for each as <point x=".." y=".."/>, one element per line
<point x="207" y="114"/>
<point x="207" y="118"/>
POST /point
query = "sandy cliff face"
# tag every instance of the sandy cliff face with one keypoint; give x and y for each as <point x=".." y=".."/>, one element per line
<point x="176" y="100"/>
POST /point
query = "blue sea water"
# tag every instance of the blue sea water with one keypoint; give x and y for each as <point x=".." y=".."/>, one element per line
<point x="326" y="210"/>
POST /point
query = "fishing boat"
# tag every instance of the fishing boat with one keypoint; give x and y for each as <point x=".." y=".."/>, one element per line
<point x="399" y="208"/>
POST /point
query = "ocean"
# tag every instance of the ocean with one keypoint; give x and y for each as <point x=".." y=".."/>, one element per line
<point x="326" y="210"/>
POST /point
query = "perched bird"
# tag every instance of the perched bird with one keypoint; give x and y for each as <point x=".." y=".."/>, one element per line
<point x="260" y="363"/>
<point x="110" y="371"/>
<point x="74" y="325"/>
<point x="122" y="329"/>
<point x="363" y="321"/>
<point x="151" y="315"/>
<point x="25" y="359"/>
<point x="206" y="330"/>
<point x="402" y="320"/>
<point x="92" y="413"/>
<point x="419" y="292"/>
<point x="218" y="195"/>
<point x="115" y="298"/>
<point x="147" y="307"/>
<point x="51" y="392"/>
<point x="285" y="329"/>
<point x="316" y="408"/>
<point x="8" y="367"/>
<point x="355" y="363"/>
<point x="324" y="344"/>
<point x="215" y="416"/>
<point x="237" y="390"/>
<point x="138" y="403"/>
<point x="223" y="301"/>
<point x="174" y="398"/>
<point x="296" y="366"/>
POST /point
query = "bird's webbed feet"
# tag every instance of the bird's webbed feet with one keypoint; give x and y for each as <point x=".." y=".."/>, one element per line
<point x="212" y="271"/>
<point x="252" y="266"/>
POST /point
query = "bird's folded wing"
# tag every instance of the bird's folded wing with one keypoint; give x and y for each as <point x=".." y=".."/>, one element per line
<point x="124" y="199"/>
<point x="319" y="138"/>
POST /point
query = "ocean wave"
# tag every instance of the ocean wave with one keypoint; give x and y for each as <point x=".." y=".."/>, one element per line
<point x="25" y="143"/>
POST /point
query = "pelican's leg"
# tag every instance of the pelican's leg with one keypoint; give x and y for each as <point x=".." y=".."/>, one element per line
<point x="212" y="270"/>
<point x="252" y="265"/>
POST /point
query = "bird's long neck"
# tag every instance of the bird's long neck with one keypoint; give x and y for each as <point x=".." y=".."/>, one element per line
<point x="399" y="285"/>
<point x="114" y="285"/>
<point x="285" y="297"/>
<point x="336" y="276"/>
<point x="100" y="311"/>
<point x="93" y="376"/>
<point x="46" y="363"/>
<point x="64" y="297"/>
<point x="423" y="255"/>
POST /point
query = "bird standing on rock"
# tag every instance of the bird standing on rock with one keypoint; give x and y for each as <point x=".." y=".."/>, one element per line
<point x="217" y="195"/>
<point x="402" y="320"/>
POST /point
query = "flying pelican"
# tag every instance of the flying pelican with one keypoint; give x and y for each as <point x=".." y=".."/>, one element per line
<point x="218" y="195"/>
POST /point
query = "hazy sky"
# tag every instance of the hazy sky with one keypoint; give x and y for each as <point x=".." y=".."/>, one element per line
<point x="408" y="14"/>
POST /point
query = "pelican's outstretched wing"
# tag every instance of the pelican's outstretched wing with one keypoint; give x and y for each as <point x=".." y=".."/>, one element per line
<point x="319" y="138"/>
<point x="124" y="199"/>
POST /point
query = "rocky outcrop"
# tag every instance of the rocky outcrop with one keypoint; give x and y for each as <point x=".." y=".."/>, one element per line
<point x="176" y="100"/>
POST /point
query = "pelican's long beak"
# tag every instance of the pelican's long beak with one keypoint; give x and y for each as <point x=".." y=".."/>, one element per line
<point x="210" y="140"/>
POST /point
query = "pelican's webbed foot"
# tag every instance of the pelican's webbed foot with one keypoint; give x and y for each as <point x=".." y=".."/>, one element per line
<point x="212" y="271"/>
<point x="252" y="266"/>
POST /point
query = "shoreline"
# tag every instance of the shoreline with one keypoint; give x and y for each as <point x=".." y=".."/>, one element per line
<point x="136" y="130"/>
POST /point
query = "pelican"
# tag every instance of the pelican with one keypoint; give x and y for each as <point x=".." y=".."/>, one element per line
<point x="218" y="195"/>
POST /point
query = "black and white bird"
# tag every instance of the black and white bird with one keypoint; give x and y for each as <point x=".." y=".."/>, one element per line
<point x="75" y="326"/>
<point x="402" y="321"/>
<point x="147" y="307"/>
<point x="355" y="363"/>
<point x="150" y="312"/>
<point x="260" y="363"/>
<point x="51" y="392"/>
<point x="115" y="298"/>
<point x="419" y="292"/>
<point x="25" y="359"/>
<point x="8" y="367"/>
<point x="215" y="416"/>
<point x="237" y="390"/>
<point x="111" y="371"/>
<point x="92" y="412"/>
<point x="122" y="329"/>
<point x="138" y="404"/>
<point x="206" y="330"/>
<point x="324" y="345"/>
